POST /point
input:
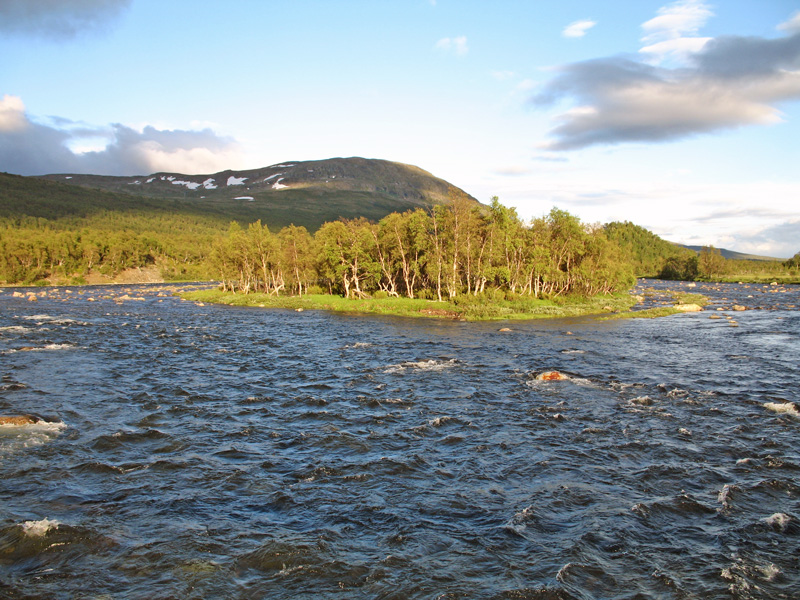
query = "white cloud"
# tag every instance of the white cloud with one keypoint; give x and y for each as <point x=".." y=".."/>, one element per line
<point x="578" y="28"/>
<point x="781" y="240"/>
<point x="31" y="148"/>
<point x="676" y="19"/>
<point x="792" y="24"/>
<point x="12" y="114"/>
<point x="679" y="49"/>
<point x="456" y="45"/>
<point x="672" y="33"/>
<point x="726" y="215"/>
<point x="732" y="82"/>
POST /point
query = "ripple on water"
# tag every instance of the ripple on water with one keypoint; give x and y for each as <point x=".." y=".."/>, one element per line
<point x="234" y="453"/>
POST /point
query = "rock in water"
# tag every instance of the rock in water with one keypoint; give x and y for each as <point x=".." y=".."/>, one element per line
<point x="688" y="307"/>
<point x="18" y="420"/>
<point x="551" y="376"/>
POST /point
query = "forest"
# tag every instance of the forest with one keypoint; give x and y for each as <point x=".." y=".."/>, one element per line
<point x="453" y="249"/>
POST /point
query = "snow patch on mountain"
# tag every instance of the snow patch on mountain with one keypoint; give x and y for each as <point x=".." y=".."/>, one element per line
<point x="189" y="184"/>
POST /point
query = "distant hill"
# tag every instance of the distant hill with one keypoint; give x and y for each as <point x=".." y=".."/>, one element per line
<point x="306" y="193"/>
<point x="730" y="254"/>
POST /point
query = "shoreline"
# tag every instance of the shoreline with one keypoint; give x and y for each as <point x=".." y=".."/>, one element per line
<point x="462" y="308"/>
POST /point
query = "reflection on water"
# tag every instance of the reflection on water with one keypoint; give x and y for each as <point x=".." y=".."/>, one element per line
<point x="217" y="452"/>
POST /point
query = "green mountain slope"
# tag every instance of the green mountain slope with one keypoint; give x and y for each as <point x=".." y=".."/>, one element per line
<point x="302" y="193"/>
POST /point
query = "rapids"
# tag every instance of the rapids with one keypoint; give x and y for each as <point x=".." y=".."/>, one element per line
<point x="189" y="451"/>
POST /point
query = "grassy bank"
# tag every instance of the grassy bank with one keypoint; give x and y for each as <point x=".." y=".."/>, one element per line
<point x="467" y="308"/>
<point x="755" y="279"/>
<point x="671" y="300"/>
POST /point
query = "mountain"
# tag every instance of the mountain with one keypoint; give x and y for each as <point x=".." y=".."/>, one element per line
<point x="306" y="193"/>
<point x="732" y="255"/>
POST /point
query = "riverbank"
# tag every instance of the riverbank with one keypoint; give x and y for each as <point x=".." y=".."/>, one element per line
<point x="466" y="308"/>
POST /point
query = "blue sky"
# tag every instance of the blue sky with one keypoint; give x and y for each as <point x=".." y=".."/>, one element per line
<point x="683" y="117"/>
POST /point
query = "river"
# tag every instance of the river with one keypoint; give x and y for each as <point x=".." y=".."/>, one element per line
<point x="190" y="451"/>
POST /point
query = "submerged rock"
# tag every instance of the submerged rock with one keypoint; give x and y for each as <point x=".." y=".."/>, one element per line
<point x="551" y="376"/>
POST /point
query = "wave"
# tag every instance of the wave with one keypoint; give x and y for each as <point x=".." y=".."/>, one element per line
<point x="16" y="329"/>
<point x="39" y="528"/>
<point x="45" y="348"/>
<point x="784" y="408"/>
<point x="779" y="521"/>
<point x="19" y="437"/>
<point x="42" y="319"/>
<point x="422" y="365"/>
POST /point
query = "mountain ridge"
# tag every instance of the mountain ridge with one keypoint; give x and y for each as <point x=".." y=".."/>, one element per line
<point x="306" y="193"/>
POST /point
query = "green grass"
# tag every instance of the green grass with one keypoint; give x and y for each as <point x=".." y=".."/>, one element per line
<point x="463" y="308"/>
<point x="661" y="311"/>
<point x="648" y="313"/>
<point x="688" y="298"/>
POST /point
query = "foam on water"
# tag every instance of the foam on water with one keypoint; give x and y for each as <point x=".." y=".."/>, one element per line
<point x="422" y="365"/>
<point x="17" y="438"/>
<point x="239" y="453"/>
<point x="784" y="408"/>
<point x="15" y="329"/>
<point x="39" y="528"/>
<point x="778" y="521"/>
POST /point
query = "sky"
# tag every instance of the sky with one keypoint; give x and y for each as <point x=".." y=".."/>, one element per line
<point x="682" y="117"/>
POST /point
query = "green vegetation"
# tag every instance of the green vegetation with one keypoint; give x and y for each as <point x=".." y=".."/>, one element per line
<point x="653" y="257"/>
<point x="649" y="254"/>
<point x="455" y="251"/>
<point x="462" y="308"/>
<point x="673" y="298"/>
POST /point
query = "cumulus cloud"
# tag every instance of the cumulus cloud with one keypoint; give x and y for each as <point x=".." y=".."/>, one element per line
<point x="58" y="19"/>
<point x="31" y="148"/>
<point x="731" y="82"/>
<point x="456" y="45"/>
<point x="578" y="28"/>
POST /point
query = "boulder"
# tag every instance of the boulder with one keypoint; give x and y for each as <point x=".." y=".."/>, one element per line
<point x="738" y="307"/>
<point x="688" y="307"/>
<point x="505" y="330"/>
<point x="18" y="420"/>
<point x="551" y="376"/>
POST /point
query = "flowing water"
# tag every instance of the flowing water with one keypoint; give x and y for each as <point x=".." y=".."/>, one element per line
<point x="190" y="451"/>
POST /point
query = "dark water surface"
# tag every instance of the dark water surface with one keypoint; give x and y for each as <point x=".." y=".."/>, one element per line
<point x="218" y="452"/>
